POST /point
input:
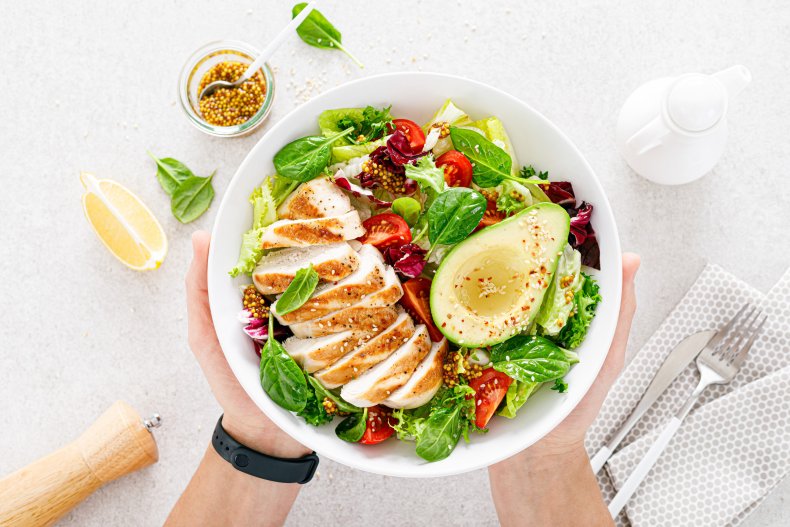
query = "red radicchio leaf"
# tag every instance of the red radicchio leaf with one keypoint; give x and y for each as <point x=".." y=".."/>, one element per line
<point x="561" y="193"/>
<point x="381" y="157"/>
<point x="360" y="192"/>
<point x="258" y="329"/>
<point x="408" y="259"/>
<point x="399" y="149"/>
<point x="580" y="222"/>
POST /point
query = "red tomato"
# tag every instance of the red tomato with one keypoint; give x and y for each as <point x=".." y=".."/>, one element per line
<point x="386" y="230"/>
<point x="378" y="427"/>
<point x="457" y="168"/>
<point x="490" y="388"/>
<point x="413" y="133"/>
<point x="416" y="300"/>
<point x="491" y="216"/>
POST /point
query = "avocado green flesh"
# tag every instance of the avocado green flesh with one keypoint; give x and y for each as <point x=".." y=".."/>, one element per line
<point x="491" y="285"/>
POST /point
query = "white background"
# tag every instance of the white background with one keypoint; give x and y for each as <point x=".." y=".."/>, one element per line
<point x="91" y="86"/>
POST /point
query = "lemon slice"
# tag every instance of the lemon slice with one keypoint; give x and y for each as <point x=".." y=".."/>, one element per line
<point x="123" y="223"/>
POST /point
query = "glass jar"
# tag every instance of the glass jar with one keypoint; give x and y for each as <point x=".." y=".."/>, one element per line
<point x="196" y="67"/>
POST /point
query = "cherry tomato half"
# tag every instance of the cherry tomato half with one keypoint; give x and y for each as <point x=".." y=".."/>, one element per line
<point x="386" y="230"/>
<point x="416" y="300"/>
<point x="491" y="216"/>
<point x="378" y="426"/>
<point x="457" y="168"/>
<point x="490" y="388"/>
<point x="413" y="133"/>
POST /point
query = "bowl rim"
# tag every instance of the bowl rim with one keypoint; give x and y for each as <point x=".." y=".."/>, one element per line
<point x="561" y="413"/>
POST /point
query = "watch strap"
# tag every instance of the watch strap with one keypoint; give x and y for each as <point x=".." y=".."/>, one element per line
<point x="282" y="470"/>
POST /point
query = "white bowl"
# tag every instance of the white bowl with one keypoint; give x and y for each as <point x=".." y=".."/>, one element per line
<point x="417" y="96"/>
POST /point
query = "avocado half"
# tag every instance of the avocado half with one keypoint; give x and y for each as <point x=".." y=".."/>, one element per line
<point x="491" y="285"/>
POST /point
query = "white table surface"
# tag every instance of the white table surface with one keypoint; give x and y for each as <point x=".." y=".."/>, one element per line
<point x="91" y="86"/>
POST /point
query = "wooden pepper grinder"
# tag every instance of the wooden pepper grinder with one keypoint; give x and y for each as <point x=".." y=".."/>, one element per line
<point x="117" y="443"/>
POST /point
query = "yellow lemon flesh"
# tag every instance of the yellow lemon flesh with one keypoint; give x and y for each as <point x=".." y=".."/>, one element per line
<point x="123" y="223"/>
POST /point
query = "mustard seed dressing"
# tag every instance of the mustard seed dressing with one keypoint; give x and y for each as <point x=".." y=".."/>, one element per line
<point x="231" y="106"/>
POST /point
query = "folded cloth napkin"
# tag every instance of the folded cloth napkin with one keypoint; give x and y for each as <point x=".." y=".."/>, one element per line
<point x="738" y="462"/>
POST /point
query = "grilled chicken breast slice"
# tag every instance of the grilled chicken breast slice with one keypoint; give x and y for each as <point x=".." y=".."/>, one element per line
<point x="333" y="296"/>
<point x="375" y="350"/>
<point x="316" y="231"/>
<point x="356" y="318"/>
<point x="424" y="382"/>
<point x="383" y="379"/>
<point x="318" y="198"/>
<point x="313" y="354"/>
<point x="277" y="269"/>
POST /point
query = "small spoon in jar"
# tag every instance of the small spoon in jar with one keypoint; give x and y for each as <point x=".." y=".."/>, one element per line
<point x="264" y="56"/>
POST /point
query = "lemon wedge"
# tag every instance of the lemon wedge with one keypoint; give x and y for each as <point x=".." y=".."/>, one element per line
<point x="123" y="223"/>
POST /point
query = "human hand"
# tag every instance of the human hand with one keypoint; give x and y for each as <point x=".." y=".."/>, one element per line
<point x="243" y="420"/>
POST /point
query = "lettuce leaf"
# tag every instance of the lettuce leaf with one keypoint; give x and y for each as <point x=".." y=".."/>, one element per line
<point x="559" y="300"/>
<point x="517" y="394"/>
<point x="585" y="300"/>
<point x="452" y="115"/>
<point x="427" y="175"/>
<point x="513" y="197"/>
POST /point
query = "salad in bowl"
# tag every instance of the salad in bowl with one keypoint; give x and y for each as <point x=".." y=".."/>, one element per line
<point x="412" y="281"/>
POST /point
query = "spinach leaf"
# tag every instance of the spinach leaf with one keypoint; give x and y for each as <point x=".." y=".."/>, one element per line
<point x="373" y="125"/>
<point x="317" y="31"/>
<point x="192" y="198"/>
<point x="298" y="291"/>
<point x="352" y="428"/>
<point x="314" y="412"/>
<point x="490" y="164"/>
<point x="171" y="173"/>
<point x="531" y="359"/>
<point x="322" y="392"/>
<point x="407" y="208"/>
<point x="451" y="413"/>
<point x="281" y="378"/>
<point x="454" y="214"/>
<point x="304" y="159"/>
<point x="427" y="174"/>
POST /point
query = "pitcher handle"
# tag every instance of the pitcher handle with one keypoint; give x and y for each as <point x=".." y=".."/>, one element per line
<point x="648" y="137"/>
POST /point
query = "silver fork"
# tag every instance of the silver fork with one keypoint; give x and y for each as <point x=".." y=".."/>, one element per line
<point x="718" y="363"/>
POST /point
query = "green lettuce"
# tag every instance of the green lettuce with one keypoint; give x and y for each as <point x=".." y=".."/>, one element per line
<point x="513" y="197"/>
<point x="329" y="119"/>
<point x="585" y="301"/>
<point x="452" y="115"/>
<point x="427" y="175"/>
<point x="559" y="301"/>
<point x="517" y="394"/>
<point x="344" y="153"/>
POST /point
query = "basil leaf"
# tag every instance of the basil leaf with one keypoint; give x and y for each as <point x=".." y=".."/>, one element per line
<point x="192" y="198"/>
<point x="299" y="290"/>
<point x="317" y="31"/>
<point x="454" y="214"/>
<point x="322" y="392"/>
<point x="304" y="159"/>
<point x="352" y="428"/>
<point x="407" y="208"/>
<point x="281" y="378"/>
<point x="171" y="173"/>
<point x="530" y="359"/>
<point x="490" y="164"/>
<point x="440" y="433"/>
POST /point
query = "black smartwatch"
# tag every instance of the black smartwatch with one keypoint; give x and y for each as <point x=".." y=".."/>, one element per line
<point x="281" y="470"/>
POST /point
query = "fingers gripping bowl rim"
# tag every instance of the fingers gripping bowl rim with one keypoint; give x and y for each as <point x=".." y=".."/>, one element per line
<point x="535" y="139"/>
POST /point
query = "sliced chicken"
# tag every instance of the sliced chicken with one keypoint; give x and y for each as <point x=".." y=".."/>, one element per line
<point x="355" y="318"/>
<point x="316" y="231"/>
<point x="357" y="362"/>
<point x="329" y="297"/>
<point x="318" y="198"/>
<point x="424" y="382"/>
<point x="276" y="270"/>
<point x="383" y="379"/>
<point x="313" y="354"/>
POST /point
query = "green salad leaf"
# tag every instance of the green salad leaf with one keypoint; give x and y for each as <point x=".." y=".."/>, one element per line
<point x="192" y="198"/>
<point x="560" y="385"/>
<point x="532" y="359"/>
<point x="317" y="31"/>
<point x="513" y="197"/>
<point x="298" y="291"/>
<point x="585" y="301"/>
<point x="352" y="428"/>
<point x="490" y="164"/>
<point x="529" y="172"/>
<point x="373" y="125"/>
<point x="281" y="378"/>
<point x="305" y="158"/>
<point x="171" y="173"/>
<point x="322" y="392"/>
<point x="428" y="176"/>
<point x="558" y="303"/>
<point x="314" y="412"/>
<point x="454" y="214"/>
<point x="517" y="394"/>
<point x="407" y="208"/>
<point x="450" y="418"/>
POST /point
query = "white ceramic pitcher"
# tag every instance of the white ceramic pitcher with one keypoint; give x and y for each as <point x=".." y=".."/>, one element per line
<point x="673" y="130"/>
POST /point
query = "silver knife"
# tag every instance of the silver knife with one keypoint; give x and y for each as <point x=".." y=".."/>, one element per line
<point x="673" y="365"/>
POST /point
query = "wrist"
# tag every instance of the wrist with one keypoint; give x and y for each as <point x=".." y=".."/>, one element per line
<point x="268" y="440"/>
